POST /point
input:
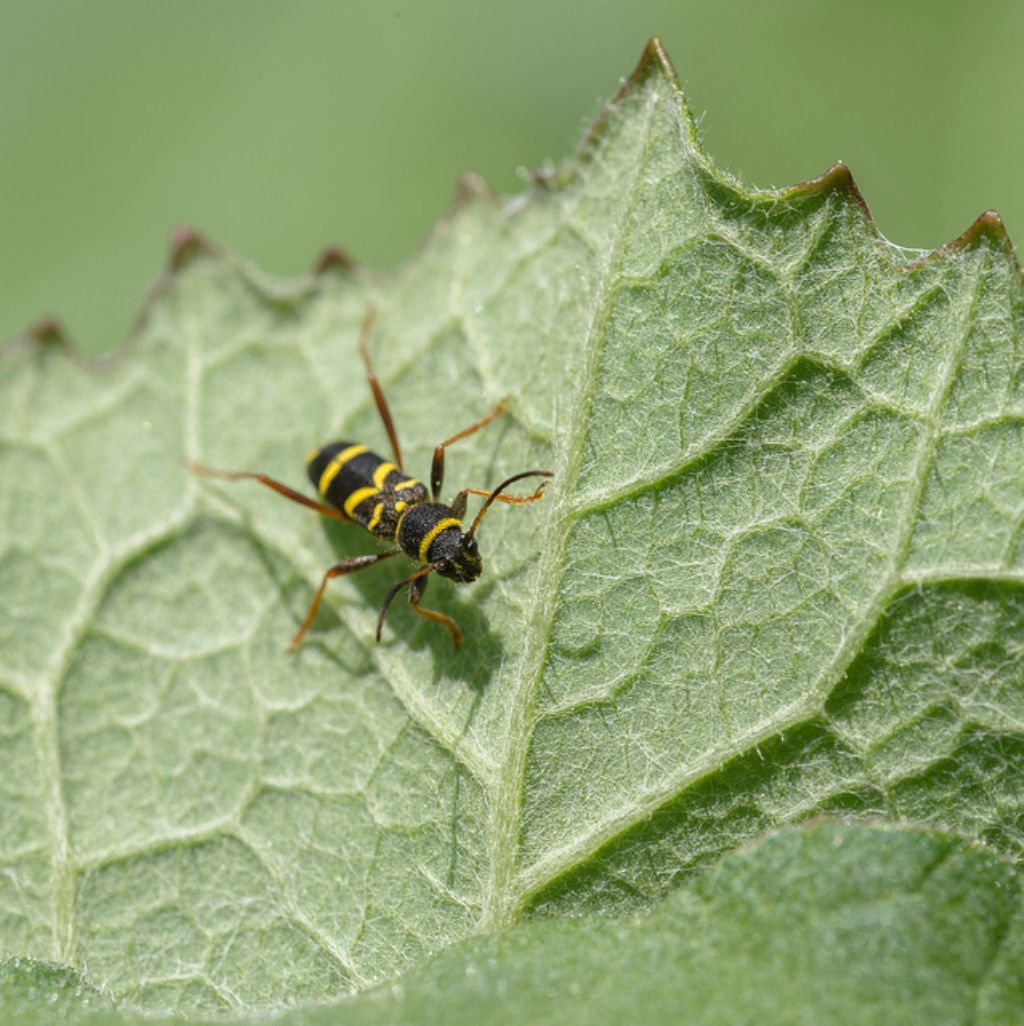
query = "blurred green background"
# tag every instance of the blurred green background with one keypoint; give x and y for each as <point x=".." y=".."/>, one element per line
<point x="278" y="128"/>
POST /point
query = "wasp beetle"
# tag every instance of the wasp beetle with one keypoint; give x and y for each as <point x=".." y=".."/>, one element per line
<point x="359" y="486"/>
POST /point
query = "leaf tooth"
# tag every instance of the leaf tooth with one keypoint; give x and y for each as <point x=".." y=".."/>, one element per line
<point x="986" y="230"/>
<point x="472" y="186"/>
<point x="188" y="243"/>
<point x="333" y="260"/>
<point x="48" y="331"/>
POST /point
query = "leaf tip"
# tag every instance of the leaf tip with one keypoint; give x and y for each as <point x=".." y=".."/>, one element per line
<point x="48" y="335"/>
<point x="838" y="179"/>
<point x="472" y="186"/>
<point x="187" y="243"/>
<point x="988" y="229"/>
<point x="654" y="63"/>
<point x="333" y="260"/>
<point x="48" y="331"/>
<point x="986" y="232"/>
<point x="653" y="60"/>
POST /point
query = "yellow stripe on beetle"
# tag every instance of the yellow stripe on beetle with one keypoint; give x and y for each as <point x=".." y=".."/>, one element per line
<point x="429" y="537"/>
<point x="332" y="468"/>
<point x="381" y="473"/>
<point x="358" y="496"/>
<point x="375" y="519"/>
<point x="401" y="508"/>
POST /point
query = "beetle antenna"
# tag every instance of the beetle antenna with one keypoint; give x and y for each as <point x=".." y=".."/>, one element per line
<point x="488" y="502"/>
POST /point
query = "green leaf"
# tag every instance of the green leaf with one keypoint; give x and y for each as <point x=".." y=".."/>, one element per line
<point x="778" y="574"/>
<point x="830" y="924"/>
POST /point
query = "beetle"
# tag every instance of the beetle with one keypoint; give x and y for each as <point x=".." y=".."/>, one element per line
<point x="359" y="486"/>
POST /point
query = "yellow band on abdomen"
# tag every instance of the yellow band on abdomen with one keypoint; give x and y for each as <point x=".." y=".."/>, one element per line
<point x="428" y="538"/>
<point x="358" y="496"/>
<point x="381" y="473"/>
<point x="332" y="468"/>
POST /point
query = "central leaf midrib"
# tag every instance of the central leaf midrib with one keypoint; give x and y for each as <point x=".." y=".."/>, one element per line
<point x="503" y="899"/>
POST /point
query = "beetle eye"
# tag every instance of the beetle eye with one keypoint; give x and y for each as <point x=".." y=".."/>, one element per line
<point x="469" y="546"/>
